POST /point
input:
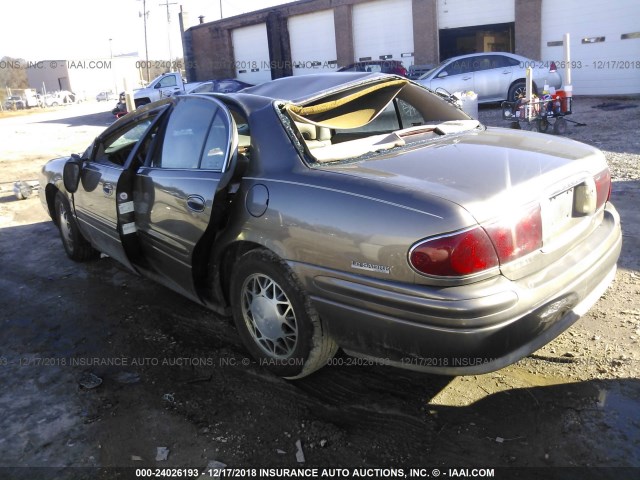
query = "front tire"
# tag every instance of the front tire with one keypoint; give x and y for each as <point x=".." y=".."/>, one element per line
<point x="275" y="319"/>
<point x="76" y="246"/>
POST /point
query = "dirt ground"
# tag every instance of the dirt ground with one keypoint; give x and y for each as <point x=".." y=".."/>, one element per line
<point x="175" y="375"/>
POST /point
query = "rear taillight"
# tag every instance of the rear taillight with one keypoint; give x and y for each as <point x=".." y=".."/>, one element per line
<point x="552" y="68"/>
<point x="603" y="187"/>
<point x="455" y="255"/>
<point x="516" y="237"/>
<point x="481" y="248"/>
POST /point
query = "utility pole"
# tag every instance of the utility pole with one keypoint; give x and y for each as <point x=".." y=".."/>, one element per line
<point x="146" y="47"/>
<point x="113" y="71"/>
<point x="166" y="4"/>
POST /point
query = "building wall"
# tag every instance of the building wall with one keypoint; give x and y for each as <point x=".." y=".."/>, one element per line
<point x="425" y="31"/>
<point x="343" y="18"/>
<point x="84" y="77"/>
<point x="535" y="23"/>
<point x="605" y="53"/>
<point x="529" y="32"/>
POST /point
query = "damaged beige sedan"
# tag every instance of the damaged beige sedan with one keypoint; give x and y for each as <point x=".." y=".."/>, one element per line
<point x="355" y="211"/>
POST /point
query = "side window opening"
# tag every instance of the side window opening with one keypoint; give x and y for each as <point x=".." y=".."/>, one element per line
<point x="116" y="148"/>
<point x="409" y="115"/>
<point x="215" y="147"/>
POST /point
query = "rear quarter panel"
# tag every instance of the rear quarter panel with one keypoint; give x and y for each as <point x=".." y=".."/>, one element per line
<point x="329" y="219"/>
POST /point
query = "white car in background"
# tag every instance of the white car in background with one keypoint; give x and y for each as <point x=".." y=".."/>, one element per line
<point x="106" y="96"/>
<point x="62" y="97"/>
<point x="494" y="76"/>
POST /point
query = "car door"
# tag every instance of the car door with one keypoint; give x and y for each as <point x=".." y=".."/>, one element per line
<point x="179" y="193"/>
<point x="97" y="199"/>
<point x="492" y="77"/>
<point x="455" y="76"/>
<point x="168" y="85"/>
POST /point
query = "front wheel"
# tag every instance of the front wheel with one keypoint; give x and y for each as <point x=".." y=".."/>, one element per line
<point x="275" y="318"/>
<point x="76" y="246"/>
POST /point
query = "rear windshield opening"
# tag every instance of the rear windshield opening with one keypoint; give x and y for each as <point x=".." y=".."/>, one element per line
<point x="371" y="119"/>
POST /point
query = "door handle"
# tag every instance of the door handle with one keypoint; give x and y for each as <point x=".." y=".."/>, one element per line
<point x="107" y="188"/>
<point x="195" y="203"/>
<point x="466" y="78"/>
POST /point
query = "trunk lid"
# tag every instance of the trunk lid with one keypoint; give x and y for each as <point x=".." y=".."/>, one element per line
<point x="495" y="174"/>
<point x="485" y="172"/>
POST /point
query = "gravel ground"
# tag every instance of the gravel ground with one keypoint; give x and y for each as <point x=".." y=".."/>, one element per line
<point x="610" y="123"/>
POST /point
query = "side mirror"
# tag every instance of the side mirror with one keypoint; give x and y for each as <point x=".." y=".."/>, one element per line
<point x="442" y="75"/>
<point x="71" y="173"/>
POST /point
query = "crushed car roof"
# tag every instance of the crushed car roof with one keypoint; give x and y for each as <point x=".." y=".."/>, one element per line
<point x="307" y="87"/>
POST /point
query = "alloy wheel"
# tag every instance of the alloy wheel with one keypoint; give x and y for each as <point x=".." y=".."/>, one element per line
<point x="269" y="316"/>
<point x="65" y="227"/>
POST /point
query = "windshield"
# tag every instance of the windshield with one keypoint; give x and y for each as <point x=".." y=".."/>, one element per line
<point x="427" y="74"/>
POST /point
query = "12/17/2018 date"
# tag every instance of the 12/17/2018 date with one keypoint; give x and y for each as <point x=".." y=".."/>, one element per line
<point x="424" y="362"/>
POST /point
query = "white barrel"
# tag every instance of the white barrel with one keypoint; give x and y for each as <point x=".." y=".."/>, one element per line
<point x="468" y="101"/>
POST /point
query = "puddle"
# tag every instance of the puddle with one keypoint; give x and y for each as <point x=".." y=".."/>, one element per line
<point x="619" y="422"/>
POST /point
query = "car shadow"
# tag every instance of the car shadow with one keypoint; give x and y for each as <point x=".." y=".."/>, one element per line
<point x="589" y="423"/>
<point x="101" y="119"/>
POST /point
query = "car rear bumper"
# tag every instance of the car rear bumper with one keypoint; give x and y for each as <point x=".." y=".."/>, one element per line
<point x="469" y="329"/>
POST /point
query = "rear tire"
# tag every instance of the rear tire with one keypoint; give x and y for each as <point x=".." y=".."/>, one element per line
<point x="275" y="318"/>
<point x="517" y="89"/>
<point x="77" y="247"/>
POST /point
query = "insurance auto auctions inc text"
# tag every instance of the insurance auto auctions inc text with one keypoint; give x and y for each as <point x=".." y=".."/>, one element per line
<point x="360" y="473"/>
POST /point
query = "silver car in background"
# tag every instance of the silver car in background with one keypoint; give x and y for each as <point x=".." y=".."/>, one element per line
<point x="493" y="76"/>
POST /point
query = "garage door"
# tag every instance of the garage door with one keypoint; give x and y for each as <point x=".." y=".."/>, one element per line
<point x="383" y="28"/>
<point x="251" y="53"/>
<point x="463" y="13"/>
<point x="313" y="42"/>
<point x="605" y="44"/>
